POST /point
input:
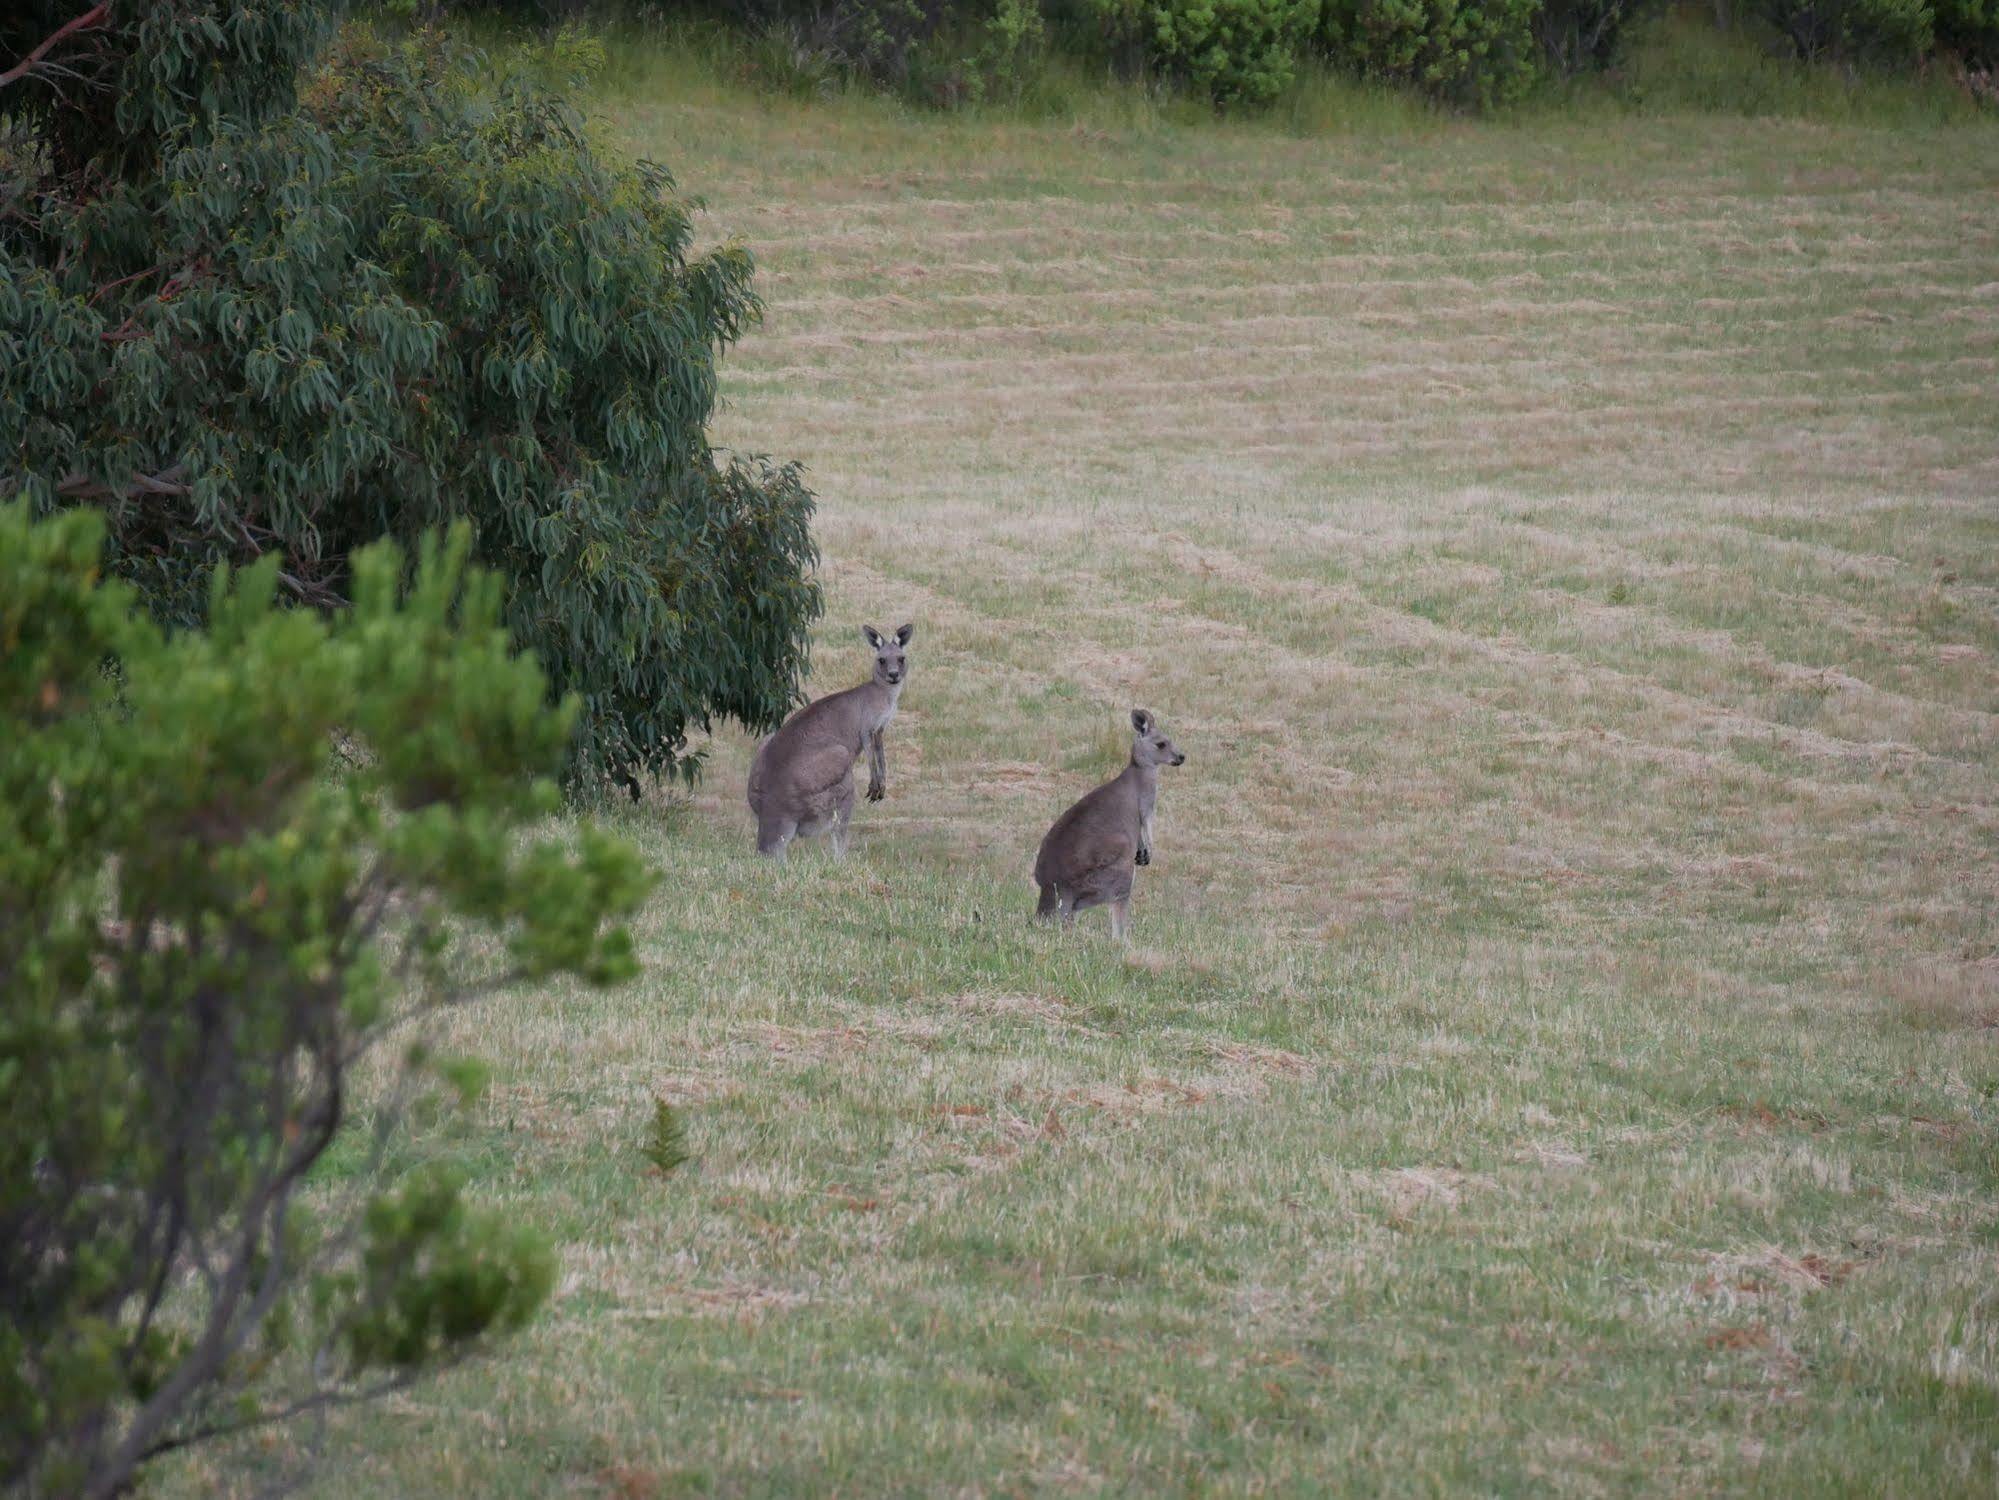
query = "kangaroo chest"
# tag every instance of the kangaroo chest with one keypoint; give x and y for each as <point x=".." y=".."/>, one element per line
<point x="855" y="716"/>
<point x="1146" y="788"/>
<point x="884" y="710"/>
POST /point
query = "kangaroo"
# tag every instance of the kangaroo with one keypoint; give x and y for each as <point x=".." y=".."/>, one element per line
<point x="1086" y="859"/>
<point x="802" y="779"/>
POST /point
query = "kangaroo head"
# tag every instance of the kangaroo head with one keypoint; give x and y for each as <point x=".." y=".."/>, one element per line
<point x="891" y="661"/>
<point x="1149" y="745"/>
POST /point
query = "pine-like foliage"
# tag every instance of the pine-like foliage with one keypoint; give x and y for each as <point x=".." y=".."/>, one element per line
<point x="255" y="296"/>
<point x="665" y="1145"/>
<point x="204" y="928"/>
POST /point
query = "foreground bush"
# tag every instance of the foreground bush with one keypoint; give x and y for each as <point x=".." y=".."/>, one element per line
<point x="1473" y="53"/>
<point x="202" y="932"/>
<point x="255" y="300"/>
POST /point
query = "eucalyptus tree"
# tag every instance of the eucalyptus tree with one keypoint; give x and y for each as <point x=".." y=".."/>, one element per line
<point x="270" y="286"/>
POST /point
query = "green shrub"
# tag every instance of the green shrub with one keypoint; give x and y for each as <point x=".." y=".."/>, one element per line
<point x="1011" y="41"/>
<point x="245" y="321"/>
<point x="1472" y="53"/>
<point x="1234" y="51"/>
<point x="203" y="929"/>
<point x="1892" y="32"/>
<point x="882" y="36"/>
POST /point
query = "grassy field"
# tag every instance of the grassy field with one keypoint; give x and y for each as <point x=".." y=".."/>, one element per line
<point x="1559" y="1052"/>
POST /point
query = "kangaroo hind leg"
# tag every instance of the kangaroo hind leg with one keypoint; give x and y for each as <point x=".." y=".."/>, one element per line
<point x="837" y="834"/>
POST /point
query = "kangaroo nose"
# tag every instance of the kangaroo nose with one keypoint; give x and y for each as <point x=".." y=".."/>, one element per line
<point x="1180" y="759"/>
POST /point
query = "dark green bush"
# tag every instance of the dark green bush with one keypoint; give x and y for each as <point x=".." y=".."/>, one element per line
<point x="246" y="321"/>
<point x="1969" y="29"/>
<point x="1471" y="53"/>
<point x="1583" y="36"/>
<point x="1892" y="32"/>
<point x="203" y="929"/>
<point x="881" y="37"/>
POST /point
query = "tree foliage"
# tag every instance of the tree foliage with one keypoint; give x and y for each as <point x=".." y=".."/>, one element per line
<point x="257" y="298"/>
<point x="203" y="931"/>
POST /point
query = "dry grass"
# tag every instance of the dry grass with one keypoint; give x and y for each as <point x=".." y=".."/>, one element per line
<point x="1558" y="1053"/>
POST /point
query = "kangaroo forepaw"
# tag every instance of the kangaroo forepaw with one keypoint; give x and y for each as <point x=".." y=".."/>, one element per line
<point x="876" y="791"/>
<point x="1144" y="857"/>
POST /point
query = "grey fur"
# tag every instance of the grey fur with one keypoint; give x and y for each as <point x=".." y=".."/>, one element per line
<point x="1087" y="857"/>
<point x="802" y="779"/>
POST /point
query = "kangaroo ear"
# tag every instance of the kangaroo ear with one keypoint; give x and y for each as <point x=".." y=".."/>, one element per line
<point x="873" y="636"/>
<point x="902" y="636"/>
<point x="1141" y="721"/>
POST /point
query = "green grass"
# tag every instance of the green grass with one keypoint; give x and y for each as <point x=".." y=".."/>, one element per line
<point x="1560" y="1048"/>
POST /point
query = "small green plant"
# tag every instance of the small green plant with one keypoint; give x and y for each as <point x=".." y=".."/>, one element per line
<point x="666" y="1139"/>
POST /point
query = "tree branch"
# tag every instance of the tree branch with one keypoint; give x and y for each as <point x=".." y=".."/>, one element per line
<point x="322" y="1400"/>
<point x="80" y="486"/>
<point x="310" y="592"/>
<point x="229" y="1322"/>
<point x="91" y="20"/>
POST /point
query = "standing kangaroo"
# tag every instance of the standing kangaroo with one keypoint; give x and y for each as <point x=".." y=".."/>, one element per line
<point x="802" y="779"/>
<point x="1086" y="859"/>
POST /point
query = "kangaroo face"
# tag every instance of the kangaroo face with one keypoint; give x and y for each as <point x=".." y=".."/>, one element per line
<point x="1149" y="744"/>
<point x="891" y="660"/>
